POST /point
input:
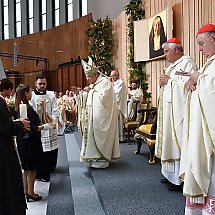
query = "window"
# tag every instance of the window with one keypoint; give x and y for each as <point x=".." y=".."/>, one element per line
<point x="18" y="18"/>
<point x="6" y="23"/>
<point x="84" y="7"/>
<point x="44" y="11"/>
<point x="57" y="13"/>
<point x="70" y="10"/>
<point x="31" y="16"/>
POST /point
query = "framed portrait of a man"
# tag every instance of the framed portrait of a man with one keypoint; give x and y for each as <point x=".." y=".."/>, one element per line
<point x="150" y="34"/>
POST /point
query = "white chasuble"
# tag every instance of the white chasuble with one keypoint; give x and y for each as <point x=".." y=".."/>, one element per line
<point x="121" y="96"/>
<point x="81" y="101"/>
<point x="100" y="141"/>
<point x="121" y="99"/>
<point x="199" y="148"/>
<point x="171" y="116"/>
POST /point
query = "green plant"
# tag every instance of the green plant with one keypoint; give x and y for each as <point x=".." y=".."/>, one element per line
<point x="137" y="71"/>
<point x="100" y="43"/>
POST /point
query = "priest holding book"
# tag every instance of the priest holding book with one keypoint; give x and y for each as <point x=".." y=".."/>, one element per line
<point x="173" y="91"/>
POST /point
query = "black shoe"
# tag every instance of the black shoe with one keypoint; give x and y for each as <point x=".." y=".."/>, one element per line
<point x="165" y="181"/>
<point x="44" y="180"/>
<point x="174" y="187"/>
<point x="29" y="198"/>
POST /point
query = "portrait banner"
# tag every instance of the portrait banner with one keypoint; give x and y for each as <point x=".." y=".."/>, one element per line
<point x="150" y="34"/>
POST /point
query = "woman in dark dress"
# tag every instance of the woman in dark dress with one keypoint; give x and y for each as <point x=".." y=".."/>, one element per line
<point x="29" y="143"/>
<point x="12" y="199"/>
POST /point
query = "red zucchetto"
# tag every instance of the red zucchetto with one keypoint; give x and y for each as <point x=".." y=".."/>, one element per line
<point x="173" y="40"/>
<point x="206" y="28"/>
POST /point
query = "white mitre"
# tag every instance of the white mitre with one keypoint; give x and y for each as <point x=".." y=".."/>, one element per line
<point x="90" y="67"/>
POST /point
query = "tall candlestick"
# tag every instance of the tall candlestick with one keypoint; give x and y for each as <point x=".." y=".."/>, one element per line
<point x="23" y="111"/>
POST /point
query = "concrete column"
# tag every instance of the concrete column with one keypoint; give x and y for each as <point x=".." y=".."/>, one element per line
<point x="62" y="12"/>
<point x="37" y="16"/>
<point x="24" y="17"/>
<point x="50" y="14"/>
<point x="11" y="18"/>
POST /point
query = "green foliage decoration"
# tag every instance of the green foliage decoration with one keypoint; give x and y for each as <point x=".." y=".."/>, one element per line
<point x="137" y="71"/>
<point x="100" y="43"/>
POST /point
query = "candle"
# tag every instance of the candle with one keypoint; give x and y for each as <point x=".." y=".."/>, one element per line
<point x="23" y="111"/>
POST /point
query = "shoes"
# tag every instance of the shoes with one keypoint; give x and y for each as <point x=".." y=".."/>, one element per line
<point x="174" y="187"/>
<point x="122" y="141"/>
<point x="29" y="198"/>
<point x="165" y="181"/>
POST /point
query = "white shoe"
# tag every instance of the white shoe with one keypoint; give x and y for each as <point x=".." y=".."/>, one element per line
<point x="100" y="165"/>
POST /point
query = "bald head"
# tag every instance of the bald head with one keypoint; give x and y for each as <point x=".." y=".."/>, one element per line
<point x="114" y="75"/>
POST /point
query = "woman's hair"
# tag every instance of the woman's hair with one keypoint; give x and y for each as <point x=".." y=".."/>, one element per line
<point x="5" y="84"/>
<point x="21" y="97"/>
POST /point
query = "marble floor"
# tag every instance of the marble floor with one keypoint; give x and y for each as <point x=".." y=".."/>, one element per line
<point x="39" y="208"/>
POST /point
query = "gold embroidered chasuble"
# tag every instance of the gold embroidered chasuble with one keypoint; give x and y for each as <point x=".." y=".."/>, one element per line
<point x="171" y="110"/>
<point x="199" y="146"/>
<point x="100" y="134"/>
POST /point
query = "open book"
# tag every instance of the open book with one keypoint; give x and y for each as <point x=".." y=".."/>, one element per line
<point x="182" y="73"/>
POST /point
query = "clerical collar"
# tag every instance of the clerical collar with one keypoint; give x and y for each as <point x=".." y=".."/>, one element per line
<point x="39" y="93"/>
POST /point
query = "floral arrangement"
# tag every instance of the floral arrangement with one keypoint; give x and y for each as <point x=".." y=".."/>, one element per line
<point x="137" y="71"/>
<point x="100" y="43"/>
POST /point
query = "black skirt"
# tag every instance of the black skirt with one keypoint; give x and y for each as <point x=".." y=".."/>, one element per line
<point x="30" y="152"/>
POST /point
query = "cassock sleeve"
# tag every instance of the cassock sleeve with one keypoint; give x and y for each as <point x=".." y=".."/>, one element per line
<point x="8" y="127"/>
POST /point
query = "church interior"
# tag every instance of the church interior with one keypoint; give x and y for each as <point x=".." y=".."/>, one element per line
<point x="52" y="38"/>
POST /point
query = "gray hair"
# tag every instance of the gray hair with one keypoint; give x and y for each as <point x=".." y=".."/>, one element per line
<point x="172" y="46"/>
<point x="205" y="34"/>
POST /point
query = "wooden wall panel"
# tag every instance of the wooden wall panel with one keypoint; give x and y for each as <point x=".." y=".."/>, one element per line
<point x="52" y="80"/>
<point x="120" y="49"/>
<point x="186" y="35"/>
<point x="69" y="76"/>
<point x="192" y="29"/>
<point x="30" y="78"/>
<point x="59" y="79"/>
<point x="72" y="77"/>
<point x="58" y="44"/>
<point x="80" y="77"/>
<point x="212" y="11"/>
<point x="196" y="23"/>
<point x="65" y="78"/>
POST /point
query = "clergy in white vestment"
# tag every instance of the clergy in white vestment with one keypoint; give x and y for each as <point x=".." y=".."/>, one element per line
<point x="44" y="103"/>
<point x="100" y="141"/>
<point x="81" y="102"/>
<point x="121" y="99"/>
<point x="66" y="96"/>
<point x="173" y="92"/>
<point x="135" y="95"/>
<point x="198" y="160"/>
